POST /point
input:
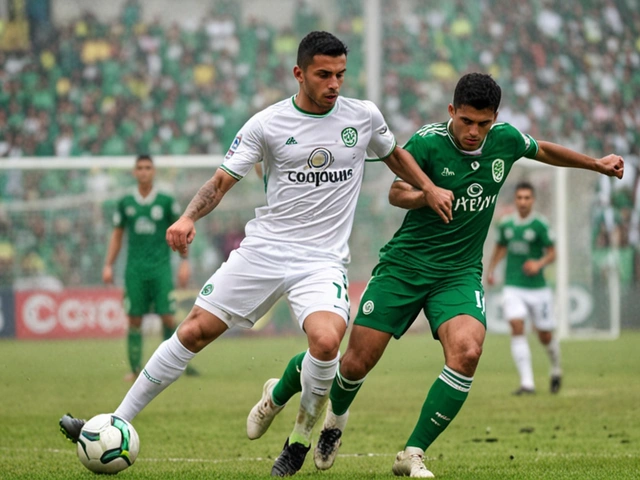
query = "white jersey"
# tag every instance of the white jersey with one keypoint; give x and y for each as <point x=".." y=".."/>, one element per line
<point x="313" y="166"/>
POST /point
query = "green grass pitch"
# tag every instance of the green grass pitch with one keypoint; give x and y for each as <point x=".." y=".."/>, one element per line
<point x="196" y="428"/>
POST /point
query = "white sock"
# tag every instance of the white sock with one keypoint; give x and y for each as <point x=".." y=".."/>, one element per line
<point x="316" y="379"/>
<point x="522" y="357"/>
<point x="331" y="420"/>
<point x="163" y="368"/>
<point x="553" y="350"/>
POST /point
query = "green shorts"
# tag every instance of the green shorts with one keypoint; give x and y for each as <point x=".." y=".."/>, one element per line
<point x="395" y="295"/>
<point x="149" y="295"/>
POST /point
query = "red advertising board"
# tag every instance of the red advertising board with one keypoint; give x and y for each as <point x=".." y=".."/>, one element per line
<point x="72" y="313"/>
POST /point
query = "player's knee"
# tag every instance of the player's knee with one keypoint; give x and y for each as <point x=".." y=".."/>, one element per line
<point x="545" y="337"/>
<point x="467" y="358"/>
<point x="199" y="329"/>
<point x="325" y="347"/>
<point x="354" y="366"/>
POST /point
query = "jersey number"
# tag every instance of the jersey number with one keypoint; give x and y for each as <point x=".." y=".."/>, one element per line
<point x="480" y="300"/>
<point x="340" y="288"/>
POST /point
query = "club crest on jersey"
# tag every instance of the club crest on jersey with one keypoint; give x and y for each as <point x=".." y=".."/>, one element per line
<point x="350" y="136"/>
<point x="234" y="146"/>
<point x="156" y="212"/>
<point x="497" y="170"/>
<point x="207" y="289"/>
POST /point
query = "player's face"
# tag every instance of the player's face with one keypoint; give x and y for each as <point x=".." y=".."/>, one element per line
<point x="144" y="172"/>
<point x="320" y="83"/>
<point x="524" y="201"/>
<point x="470" y="126"/>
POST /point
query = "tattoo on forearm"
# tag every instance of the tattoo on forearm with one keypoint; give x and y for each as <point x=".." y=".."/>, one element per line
<point x="203" y="202"/>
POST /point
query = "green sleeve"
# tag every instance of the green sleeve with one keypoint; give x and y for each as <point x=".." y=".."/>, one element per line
<point x="545" y="235"/>
<point x="119" y="218"/>
<point x="175" y="211"/>
<point x="502" y="240"/>
<point x="417" y="146"/>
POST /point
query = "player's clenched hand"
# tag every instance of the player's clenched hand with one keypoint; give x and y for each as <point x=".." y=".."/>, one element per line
<point x="612" y="165"/>
<point x="531" y="267"/>
<point x="440" y="200"/>
<point x="181" y="234"/>
<point x="107" y="274"/>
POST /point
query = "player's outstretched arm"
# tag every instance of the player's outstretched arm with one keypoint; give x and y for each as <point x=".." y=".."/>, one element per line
<point x="554" y="154"/>
<point x="183" y="231"/>
<point x="438" y="199"/>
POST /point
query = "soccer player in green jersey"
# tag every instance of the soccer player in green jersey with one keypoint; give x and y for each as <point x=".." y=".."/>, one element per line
<point x="145" y="214"/>
<point x="436" y="266"/>
<point x="524" y="239"/>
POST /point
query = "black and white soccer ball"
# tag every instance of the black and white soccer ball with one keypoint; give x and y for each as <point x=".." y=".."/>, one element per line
<point x="108" y="444"/>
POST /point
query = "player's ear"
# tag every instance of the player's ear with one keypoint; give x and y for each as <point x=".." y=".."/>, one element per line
<point x="298" y="74"/>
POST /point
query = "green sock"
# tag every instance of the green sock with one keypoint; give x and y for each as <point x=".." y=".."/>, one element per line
<point x="445" y="399"/>
<point x="134" y="348"/>
<point x="343" y="392"/>
<point x="167" y="331"/>
<point x="289" y="384"/>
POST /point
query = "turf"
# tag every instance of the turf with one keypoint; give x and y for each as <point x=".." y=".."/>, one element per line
<point x="196" y="428"/>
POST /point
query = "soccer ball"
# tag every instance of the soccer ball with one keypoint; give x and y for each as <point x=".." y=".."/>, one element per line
<point x="108" y="444"/>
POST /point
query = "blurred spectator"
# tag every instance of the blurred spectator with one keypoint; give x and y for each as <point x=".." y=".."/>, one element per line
<point x="33" y="275"/>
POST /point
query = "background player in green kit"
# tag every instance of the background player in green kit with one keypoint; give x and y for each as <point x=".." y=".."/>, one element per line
<point x="145" y="214"/>
<point x="436" y="266"/>
<point x="524" y="238"/>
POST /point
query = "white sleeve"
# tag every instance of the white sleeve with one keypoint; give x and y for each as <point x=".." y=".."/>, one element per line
<point x="246" y="149"/>
<point x="382" y="140"/>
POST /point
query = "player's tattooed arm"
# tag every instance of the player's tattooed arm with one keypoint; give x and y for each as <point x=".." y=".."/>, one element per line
<point x="183" y="231"/>
<point x="209" y="195"/>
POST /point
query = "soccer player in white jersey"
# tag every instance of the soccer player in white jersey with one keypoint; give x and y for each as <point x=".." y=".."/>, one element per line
<point x="313" y="148"/>
<point x="524" y="238"/>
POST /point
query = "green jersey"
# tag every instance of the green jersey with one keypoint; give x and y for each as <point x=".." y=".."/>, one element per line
<point x="525" y="239"/>
<point x="423" y="241"/>
<point x="146" y="221"/>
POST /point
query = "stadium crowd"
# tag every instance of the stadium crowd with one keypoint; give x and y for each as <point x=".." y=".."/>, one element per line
<point x="570" y="73"/>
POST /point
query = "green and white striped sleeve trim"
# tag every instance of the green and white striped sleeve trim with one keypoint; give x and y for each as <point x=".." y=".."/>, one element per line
<point x="231" y="172"/>
<point x="385" y="156"/>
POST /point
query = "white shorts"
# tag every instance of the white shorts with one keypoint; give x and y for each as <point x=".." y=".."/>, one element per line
<point x="249" y="283"/>
<point x="536" y="303"/>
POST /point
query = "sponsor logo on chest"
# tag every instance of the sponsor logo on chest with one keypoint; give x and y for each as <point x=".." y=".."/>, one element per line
<point x="320" y="168"/>
<point x="475" y="200"/>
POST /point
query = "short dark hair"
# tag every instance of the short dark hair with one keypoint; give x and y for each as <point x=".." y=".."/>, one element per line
<point x="525" y="185"/>
<point x="144" y="156"/>
<point x="319" y="43"/>
<point x="478" y="90"/>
